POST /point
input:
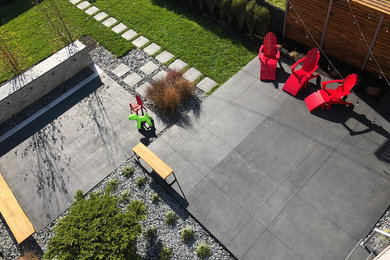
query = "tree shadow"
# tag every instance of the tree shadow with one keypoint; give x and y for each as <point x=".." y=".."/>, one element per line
<point x="10" y="9"/>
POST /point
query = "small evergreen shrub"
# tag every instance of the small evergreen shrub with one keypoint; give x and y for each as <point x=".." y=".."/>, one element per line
<point x="165" y="253"/>
<point x="238" y="9"/>
<point x="170" y="218"/>
<point x="203" y="250"/>
<point x="141" y="181"/>
<point x="125" y="196"/>
<point x="112" y="184"/>
<point x="187" y="234"/>
<point x="155" y="198"/>
<point x="262" y="19"/>
<point x="150" y="232"/>
<point x="211" y="4"/>
<point x="127" y="171"/>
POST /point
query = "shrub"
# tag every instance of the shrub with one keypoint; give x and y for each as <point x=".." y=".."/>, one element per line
<point x="187" y="234"/>
<point x="211" y="4"/>
<point x="155" y="198"/>
<point x="257" y="18"/>
<point x="125" y="196"/>
<point x="128" y="171"/>
<point x="225" y="10"/>
<point x="150" y="233"/>
<point x="173" y="76"/>
<point x="112" y="184"/>
<point x="165" y="253"/>
<point x="200" y="3"/>
<point x="203" y="250"/>
<point x="170" y="218"/>
<point x="238" y="9"/>
<point x="141" y="181"/>
<point x="96" y="228"/>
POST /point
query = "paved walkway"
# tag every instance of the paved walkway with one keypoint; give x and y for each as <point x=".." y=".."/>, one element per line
<point x="272" y="181"/>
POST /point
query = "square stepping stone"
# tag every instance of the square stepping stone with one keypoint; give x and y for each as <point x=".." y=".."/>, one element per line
<point x="132" y="79"/>
<point x="130" y="34"/>
<point x="91" y="10"/>
<point x="140" y="41"/>
<point x="177" y="65"/>
<point x="148" y="68"/>
<point x="100" y="16"/>
<point x="110" y="21"/>
<point x="164" y="56"/>
<point x="192" y="74"/>
<point x="152" y="49"/>
<point x="83" y="5"/>
<point x="142" y="89"/>
<point x="160" y="75"/>
<point x="206" y="84"/>
<point x="121" y="70"/>
<point x="74" y="1"/>
<point x="119" y="28"/>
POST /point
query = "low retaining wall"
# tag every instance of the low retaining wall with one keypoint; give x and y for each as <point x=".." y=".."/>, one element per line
<point x="44" y="77"/>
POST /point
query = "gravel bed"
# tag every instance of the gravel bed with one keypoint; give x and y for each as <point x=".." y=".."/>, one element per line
<point x="377" y="243"/>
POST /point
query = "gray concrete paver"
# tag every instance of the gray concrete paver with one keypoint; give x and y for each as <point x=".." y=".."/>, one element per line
<point x="164" y="56"/>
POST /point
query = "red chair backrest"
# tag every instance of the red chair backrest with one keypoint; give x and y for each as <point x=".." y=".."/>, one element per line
<point x="349" y="83"/>
<point x="270" y="44"/>
<point x="311" y="60"/>
<point x="139" y="100"/>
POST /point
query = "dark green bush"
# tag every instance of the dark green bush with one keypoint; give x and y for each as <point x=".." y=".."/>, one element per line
<point x="170" y="218"/>
<point x="125" y="196"/>
<point x="261" y="19"/>
<point x="112" y="185"/>
<point x="211" y="4"/>
<point x="200" y="3"/>
<point x="187" y="234"/>
<point x="155" y="198"/>
<point x="96" y="228"/>
<point x="238" y="9"/>
<point x="140" y="182"/>
<point x="150" y="233"/>
<point x="128" y="171"/>
<point x="203" y="250"/>
<point x="165" y="253"/>
<point x="225" y="9"/>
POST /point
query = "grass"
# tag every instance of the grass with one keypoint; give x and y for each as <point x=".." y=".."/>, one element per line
<point x="38" y="40"/>
<point x="206" y="46"/>
<point x="278" y="3"/>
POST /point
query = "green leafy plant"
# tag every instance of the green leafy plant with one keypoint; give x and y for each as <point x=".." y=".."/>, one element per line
<point x="187" y="234"/>
<point x="150" y="232"/>
<point x="170" y="218"/>
<point x="96" y="228"/>
<point x="211" y="4"/>
<point x="112" y="184"/>
<point x="225" y="9"/>
<point x="258" y="18"/>
<point x="165" y="253"/>
<point x="128" y="171"/>
<point x="155" y="198"/>
<point x="125" y="196"/>
<point x="238" y="9"/>
<point x="203" y="250"/>
<point x="141" y="181"/>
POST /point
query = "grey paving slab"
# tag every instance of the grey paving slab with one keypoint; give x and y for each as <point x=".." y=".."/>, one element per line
<point x="230" y="89"/>
<point x="152" y="48"/>
<point x="245" y="78"/>
<point x="121" y="70"/>
<point x="206" y="84"/>
<point x="91" y="10"/>
<point x="100" y="16"/>
<point x="119" y="28"/>
<point x="130" y="34"/>
<point x="83" y="5"/>
<point x="270" y="247"/>
<point x="164" y="56"/>
<point x="243" y="182"/>
<point x="192" y="74"/>
<point x="74" y="1"/>
<point x="204" y="150"/>
<point x="210" y="205"/>
<point x="160" y="75"/>
<point x="178" y="64"/>
<point x="141" y="90"/>
<point x="318" y="238"/>
<point x="178" y="134"/>
<point x="132" y="79"/>
<point x="109" y="22"/>
<point x="245" y="239"/>
<point x="140" y="41"/>
<point x="149" y="68"/>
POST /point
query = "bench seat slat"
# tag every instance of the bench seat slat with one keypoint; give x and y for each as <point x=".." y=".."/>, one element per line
<point x="160" y="167"/>
<point x="13" y="214"/>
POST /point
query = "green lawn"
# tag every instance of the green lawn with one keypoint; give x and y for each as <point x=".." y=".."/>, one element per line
<point x="278" y="3"/>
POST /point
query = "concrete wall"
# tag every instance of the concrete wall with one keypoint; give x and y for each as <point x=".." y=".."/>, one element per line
<point x="38" y="81"/>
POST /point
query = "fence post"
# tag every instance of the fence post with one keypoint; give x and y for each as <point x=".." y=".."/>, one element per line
<point x="285" y="19"/>
<point x="326" y="23"/>
<point x="372" y="42"/>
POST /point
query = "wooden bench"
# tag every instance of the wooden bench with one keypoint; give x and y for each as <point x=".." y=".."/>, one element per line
<point x="160" y="167"/>
<point x="13" y="214"/>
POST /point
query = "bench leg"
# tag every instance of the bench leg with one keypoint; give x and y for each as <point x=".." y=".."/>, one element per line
<point x="170" y="184"/>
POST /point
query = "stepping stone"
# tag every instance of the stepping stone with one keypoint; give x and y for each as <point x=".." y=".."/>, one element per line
<point x="164" y="56"/>
<point x="152" y="49"/>
<point x="142" y="89"/>
<point x="129" y="34"/>
<point x="110" y="21"/>
<point x="192" y="74"/>
<point x="91" y="10"/>
<point x="206" y="84"/>
<point x="132" y="79"/>
<point x="83" y="5"/>
<point x="121" y="70"/>
<point x="119" y="28"/>
<point x="177" y="65"/>
<point x="100" y="16"/>
<point x="140" y="41"/>
<point x="160" y="75"/>
<point x="74" y="1"/>
<point x="148" y="68"/>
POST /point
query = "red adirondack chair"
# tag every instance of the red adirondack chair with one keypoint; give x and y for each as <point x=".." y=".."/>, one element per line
<point x="138" y="105"/>
<point x="327" y="97"/>
<point x="298" y="79"/>
<point x="269" y="57"/>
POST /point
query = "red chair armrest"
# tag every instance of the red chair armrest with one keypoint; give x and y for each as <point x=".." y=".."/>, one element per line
<point x="296" y="63"/>
<point x="277" y="52"/>
<point x="261" y="51"/>
<point x="330" y="81"/>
